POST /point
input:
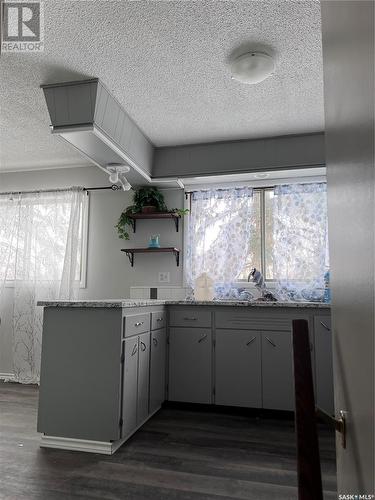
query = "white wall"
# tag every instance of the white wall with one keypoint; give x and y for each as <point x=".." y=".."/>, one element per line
<point x="348" y="53"/>
<point x="109" y="274"/>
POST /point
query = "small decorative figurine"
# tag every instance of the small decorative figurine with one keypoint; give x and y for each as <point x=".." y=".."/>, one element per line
<point x="154" y="241"/>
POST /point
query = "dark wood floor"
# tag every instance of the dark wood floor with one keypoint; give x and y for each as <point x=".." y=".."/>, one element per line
<point x="178" y="454"/>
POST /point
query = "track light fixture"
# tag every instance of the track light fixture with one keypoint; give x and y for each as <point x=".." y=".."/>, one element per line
<point x="117" y="173"/>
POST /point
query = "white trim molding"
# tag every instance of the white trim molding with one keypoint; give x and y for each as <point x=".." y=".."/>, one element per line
<point x="86" y="445"/>
<point x="7" y="377"/>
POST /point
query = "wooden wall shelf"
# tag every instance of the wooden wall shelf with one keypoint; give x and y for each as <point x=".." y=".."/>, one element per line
<point x="155" y="215"/>
<point x="130" y="252"/>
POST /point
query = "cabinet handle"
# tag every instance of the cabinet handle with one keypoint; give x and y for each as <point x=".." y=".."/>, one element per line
<point x="139" y="323"/>
<point x="190" y="319"/>
<point x="325" y="326"/>
<point x="134" y="349"/>
<point x="251" y="341"/>
<point x="202" y="338"/>
<point x="270" y="341"/>
<point x="143" y="346"/>
<point x="159" y="319"/>
<point x="155" y="341"/>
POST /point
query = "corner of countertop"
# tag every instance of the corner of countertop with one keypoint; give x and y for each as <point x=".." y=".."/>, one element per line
<point x="127" y="303"/>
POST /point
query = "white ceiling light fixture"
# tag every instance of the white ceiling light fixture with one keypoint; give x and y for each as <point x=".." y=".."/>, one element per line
<point x="117" y="173"/>
<point x="261" y="175"/>
<point x="252" y="67"/>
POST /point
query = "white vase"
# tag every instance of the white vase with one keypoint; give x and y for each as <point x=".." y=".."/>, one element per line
<point x="204" y="288"/>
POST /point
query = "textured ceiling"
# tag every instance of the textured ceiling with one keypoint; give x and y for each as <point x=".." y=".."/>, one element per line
<point x="167" y="64"/>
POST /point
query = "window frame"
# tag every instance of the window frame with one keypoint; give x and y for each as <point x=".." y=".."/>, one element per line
<point x="270" y="186"/>
<point x="262" y="191"/>
<point x="242" y="283"/>
<point x="84" y="247"/>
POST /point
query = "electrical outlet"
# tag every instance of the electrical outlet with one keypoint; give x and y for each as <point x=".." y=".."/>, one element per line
<point x="164" y="277"/>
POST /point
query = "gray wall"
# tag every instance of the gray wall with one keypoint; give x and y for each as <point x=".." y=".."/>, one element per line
<point x="109" y="274"/>
<point x="348" y="51"/>
<point x="290" y="151"/>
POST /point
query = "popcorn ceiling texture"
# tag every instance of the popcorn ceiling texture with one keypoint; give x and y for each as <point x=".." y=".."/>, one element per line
<point x="167" y="64"/>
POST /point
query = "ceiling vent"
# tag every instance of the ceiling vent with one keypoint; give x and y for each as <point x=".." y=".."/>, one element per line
<point x="88" y="117"/>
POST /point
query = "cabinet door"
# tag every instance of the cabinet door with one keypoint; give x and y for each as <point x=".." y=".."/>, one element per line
<point x="277" y="371"/>
<point x="323" y="363"/>
<point x="157" y="369"/>
<point x="129" y="399"/>
<point x="190" y="353"/>
<point x="143" y="377"/>
<point x="238" y="368"/>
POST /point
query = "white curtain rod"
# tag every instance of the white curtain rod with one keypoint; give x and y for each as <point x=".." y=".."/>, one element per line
<point x="114" y="187"/>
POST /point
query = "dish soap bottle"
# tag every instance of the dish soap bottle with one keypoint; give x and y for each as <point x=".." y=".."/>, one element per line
<point x="327" y="290"/>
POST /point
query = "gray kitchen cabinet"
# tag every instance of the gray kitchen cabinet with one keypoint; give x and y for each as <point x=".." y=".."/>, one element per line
<point x="130" y="386"/>
<point x="323" y="364"/>
<point x="143" y="377"/>
<point x="277" y="370"/>
<point x="80" y="380"/>
<point x="238" y="368"/>
<point x="252" y="366"/>
<point x="190" y="365"/>
<point x="157" y="368"/>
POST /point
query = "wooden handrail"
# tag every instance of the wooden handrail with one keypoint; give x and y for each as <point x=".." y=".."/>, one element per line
<point x="308" y="459"/>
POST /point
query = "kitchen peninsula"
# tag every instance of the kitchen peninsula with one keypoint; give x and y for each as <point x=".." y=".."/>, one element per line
<point x="108" y="365"/>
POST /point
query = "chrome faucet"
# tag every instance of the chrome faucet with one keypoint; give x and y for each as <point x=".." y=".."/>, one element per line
<point x="257" y="278"/>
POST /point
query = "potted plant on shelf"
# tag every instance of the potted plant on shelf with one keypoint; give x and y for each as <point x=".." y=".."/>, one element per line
<point x="148" y="200"/>
<point x="145" y="200"/>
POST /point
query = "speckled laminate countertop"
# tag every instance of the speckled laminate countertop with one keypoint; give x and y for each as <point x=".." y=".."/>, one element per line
<point x="155" y="302"/>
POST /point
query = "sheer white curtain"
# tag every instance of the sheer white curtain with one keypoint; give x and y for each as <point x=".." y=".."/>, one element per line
<point x="40" y="238"/>
<point x="300" y="240"/>
<point x="218" y="235"/>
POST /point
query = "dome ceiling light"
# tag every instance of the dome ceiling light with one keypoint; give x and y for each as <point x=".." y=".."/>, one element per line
<point x="252" y="67"/>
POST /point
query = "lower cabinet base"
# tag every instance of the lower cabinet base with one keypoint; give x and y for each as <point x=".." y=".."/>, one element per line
<point x="87" y="445"/>
<point x="63" y="443"/>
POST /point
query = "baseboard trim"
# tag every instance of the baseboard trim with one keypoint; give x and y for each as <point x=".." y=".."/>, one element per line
<point x="7" y="377"/>
<point x="86" y="445"/>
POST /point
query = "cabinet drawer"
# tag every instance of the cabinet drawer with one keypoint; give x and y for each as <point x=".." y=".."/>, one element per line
<point x="192" y="316"/>
<point x="158" y="320"/>
<point x="136" y="323"/>
<point x="239" y="319"/>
